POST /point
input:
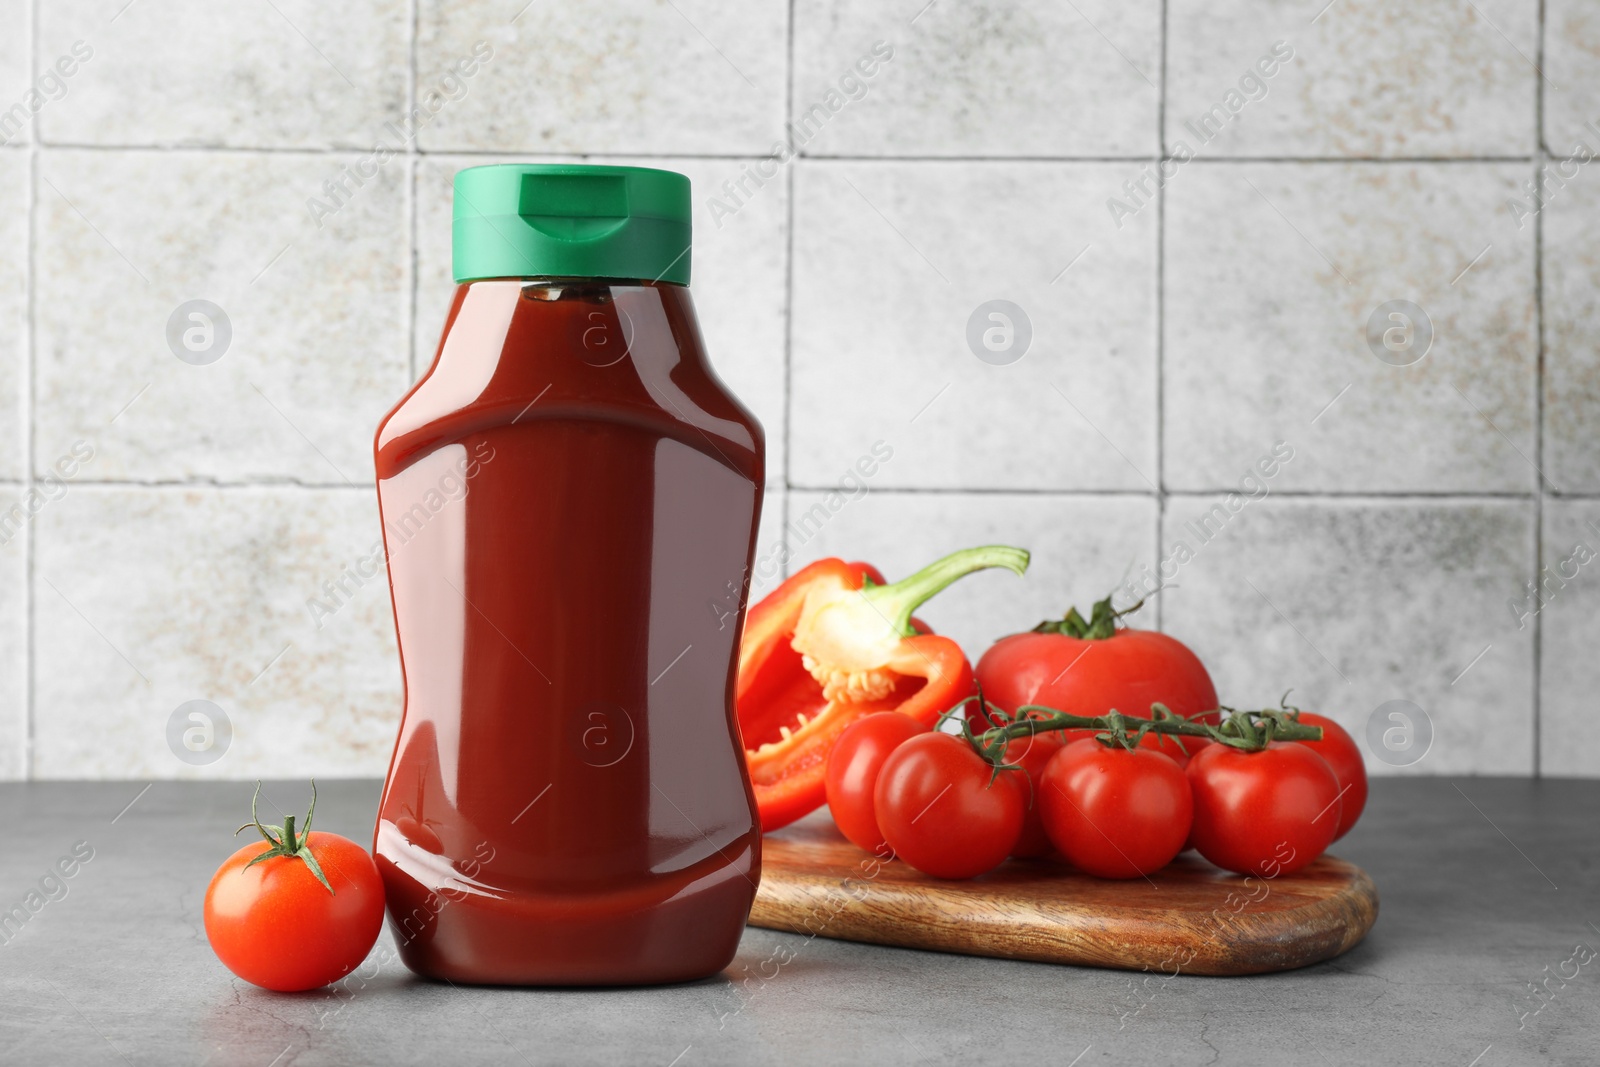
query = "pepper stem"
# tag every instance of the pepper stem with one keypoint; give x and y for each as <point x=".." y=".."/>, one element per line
<point x="898" y="600"/>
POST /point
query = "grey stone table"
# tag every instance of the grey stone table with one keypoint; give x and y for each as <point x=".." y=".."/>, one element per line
<point x="1487" y="885"/>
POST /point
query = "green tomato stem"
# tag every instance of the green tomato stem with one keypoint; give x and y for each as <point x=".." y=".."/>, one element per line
<point x="286" y="844"/>
<point x="1249" y="731"/>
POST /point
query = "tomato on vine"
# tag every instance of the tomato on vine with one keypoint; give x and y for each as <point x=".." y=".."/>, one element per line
<point x="854" y="763"/>
<point x="1115" y="812"/>
<point x="1343" y="756"/>
<point x="946" y="810"/>
<point x="1265" y="813"/>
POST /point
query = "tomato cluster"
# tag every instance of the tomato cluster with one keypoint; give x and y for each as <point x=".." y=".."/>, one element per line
<point x="955" y="805"/>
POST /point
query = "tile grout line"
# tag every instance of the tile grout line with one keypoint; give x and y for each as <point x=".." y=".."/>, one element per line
<point x="1365" y="497"/>
<point x="1537" y="637"/>
<point x="1311" y="495"/>
<point x="188" y="485"/>
<point x="758" y="153"/>
<point x="1165" y="157"/>
<point x="30" y="370"/>
<point x="1161" y="317"/>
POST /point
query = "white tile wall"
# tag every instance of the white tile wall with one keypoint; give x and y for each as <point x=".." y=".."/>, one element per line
<point x="978" y="79"/>
<point x="286" y="74"/>
<point x="1567" y="604"/>
<point x="318" y="314"/>
<point x="686" y="77"/>
<point x="1273" y="271"/>
<point x="1572" y="88"/>
<point x="147" y="598"/>
<point x="14" y="728"/>
<point x="16" y="127"/>
<point x="1359" y="78"/>
<point x="16" y="132"/>
<point x="14" y="184"/>
<point x="887" y="356"/>
<point x="1179" y="331"/>
<point x="1358" y="601"/>
<point x="1572" y="335"/>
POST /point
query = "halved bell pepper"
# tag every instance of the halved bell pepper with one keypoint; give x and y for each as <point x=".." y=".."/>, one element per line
<point x="830" y="645"/>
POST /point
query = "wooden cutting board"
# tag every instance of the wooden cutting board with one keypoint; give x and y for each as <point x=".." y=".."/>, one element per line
<point x="1190" y="917"/>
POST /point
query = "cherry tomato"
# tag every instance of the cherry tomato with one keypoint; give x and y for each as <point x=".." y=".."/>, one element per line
<point x="1032" y="754"/>
<point x="1115" y="812"/>
<point x="1264" y="813"/>
<point x="276" y="925"/>
<point x="1343" y="756"/>
<point x="853" y="766"/>
<point x="941" y="813"/>
<point x="1127" y="672"/>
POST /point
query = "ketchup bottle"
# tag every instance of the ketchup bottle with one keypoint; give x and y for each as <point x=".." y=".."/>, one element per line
<point x="569" y="499"/>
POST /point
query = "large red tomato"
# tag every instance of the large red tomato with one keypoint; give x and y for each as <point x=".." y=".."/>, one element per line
<point x="1126" y="671"/>
<point x="1115" y="812"/>
<point x="1264" y="813"/>
<point x="943" y="811"/>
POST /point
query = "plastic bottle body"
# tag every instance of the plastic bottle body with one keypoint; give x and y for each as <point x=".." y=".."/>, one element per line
<point x="569" y="499"/>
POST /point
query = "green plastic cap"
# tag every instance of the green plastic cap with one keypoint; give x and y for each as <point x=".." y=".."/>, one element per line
<point x="530" y="220"/>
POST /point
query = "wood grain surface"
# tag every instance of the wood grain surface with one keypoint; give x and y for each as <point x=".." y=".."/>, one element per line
<point x="1190" y="918"/>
